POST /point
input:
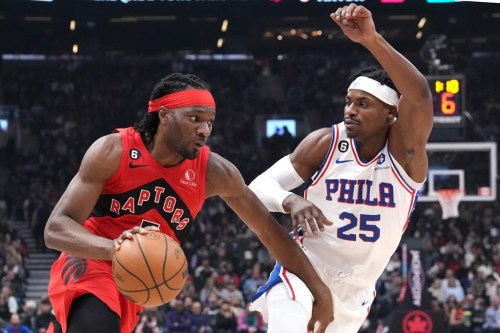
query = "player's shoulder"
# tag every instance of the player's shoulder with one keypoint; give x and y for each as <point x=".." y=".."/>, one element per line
<point x="103" y="157"/>
<point x="318" y="138"/>
<point x="222" y="175"/>
<point x="107" y="144"/>
<point x="218" y="165"/>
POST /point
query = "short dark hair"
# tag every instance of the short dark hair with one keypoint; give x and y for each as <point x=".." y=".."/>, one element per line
<point x="148" y="125"/>
<point x="375" y="73"/>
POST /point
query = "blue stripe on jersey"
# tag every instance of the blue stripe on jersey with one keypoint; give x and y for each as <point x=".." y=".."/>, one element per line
<point x="318" y="172"/>
<point x="274" y="277"/>
<point x="399" y="173"/>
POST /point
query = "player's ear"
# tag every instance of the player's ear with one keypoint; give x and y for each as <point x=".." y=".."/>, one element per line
<point x="392" y="113"/>
<point x="162" y="114"/>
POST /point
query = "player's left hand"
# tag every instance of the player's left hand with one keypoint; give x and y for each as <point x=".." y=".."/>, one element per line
<point x="356" y="22"/>
<point x="305" y="215"/>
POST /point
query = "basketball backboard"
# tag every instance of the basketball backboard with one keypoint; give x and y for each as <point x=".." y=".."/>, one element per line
<point x="468" y="166"/>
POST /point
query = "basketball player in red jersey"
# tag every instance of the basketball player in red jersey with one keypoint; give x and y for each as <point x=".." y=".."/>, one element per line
<point x="154" y="175"/>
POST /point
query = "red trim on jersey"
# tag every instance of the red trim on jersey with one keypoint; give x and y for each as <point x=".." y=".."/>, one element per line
<point x="334" y="147"/>
<point x="408" y="189"/>
<point x="180" y="99"/>
<point x="287" y="281"/>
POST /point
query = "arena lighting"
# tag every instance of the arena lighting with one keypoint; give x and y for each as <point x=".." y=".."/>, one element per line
<point x="72" y="25"/>
<point x="220" y="42"/>
<point x="224" y="25"/>
<point x="419" y="35"/>
<point x="75" y="48"/>
<point x="422" y="22"/>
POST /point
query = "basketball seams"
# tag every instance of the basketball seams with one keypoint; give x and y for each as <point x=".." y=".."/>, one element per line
<point x="165" y="269"/>
<point x="117" y="261"/>
<point x="155" y="284"/>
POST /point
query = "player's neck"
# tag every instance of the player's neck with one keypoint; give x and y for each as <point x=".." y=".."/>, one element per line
<point x="369" y="147"/>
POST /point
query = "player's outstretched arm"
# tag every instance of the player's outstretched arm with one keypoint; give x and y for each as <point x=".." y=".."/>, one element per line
<point x="273" y="185"/>
<point x="224" y="180"/>
<point x="409" y="135"/>
<point x="64" y="231"/>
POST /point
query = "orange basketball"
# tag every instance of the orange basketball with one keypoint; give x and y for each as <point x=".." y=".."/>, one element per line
<point x="150" y="269"/>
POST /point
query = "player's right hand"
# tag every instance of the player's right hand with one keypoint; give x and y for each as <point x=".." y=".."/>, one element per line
<point x="305" y="215"/>
<point x="322" y="313"/>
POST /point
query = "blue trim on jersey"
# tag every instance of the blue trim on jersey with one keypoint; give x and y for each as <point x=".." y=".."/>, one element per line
<point x="274" y="279"/>
<point x="355" y="144"/>
<point x="397" y="170"/>
<point x="275" y="276"/>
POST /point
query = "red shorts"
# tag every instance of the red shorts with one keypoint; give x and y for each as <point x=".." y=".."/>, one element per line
<point x="71" y="277"/>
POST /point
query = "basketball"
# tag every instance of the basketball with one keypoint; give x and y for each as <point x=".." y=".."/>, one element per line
<point x="150" y="269"/>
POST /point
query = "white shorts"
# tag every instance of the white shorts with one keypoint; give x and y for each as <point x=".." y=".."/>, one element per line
<point x="280" y="305"/>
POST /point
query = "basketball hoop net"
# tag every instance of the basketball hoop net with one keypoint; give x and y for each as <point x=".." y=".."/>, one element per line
<point x="449" y="199"/>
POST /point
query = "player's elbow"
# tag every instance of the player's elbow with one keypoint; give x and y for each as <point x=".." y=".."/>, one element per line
<point x="50" y="234"/>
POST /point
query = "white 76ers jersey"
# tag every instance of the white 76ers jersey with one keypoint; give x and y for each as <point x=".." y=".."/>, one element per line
<point x="369" y="203"/>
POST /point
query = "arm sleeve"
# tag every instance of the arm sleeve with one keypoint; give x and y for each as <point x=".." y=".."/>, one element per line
<point x="274" y="184"/>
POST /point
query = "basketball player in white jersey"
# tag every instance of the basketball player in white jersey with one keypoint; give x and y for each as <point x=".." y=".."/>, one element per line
<point x="364" y="175"/>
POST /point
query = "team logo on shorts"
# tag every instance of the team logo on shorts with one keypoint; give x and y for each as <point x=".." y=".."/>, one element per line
<point x="73" y="269"/>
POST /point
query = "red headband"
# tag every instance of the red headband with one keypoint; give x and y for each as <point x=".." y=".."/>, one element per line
<point x="183" y="98"/>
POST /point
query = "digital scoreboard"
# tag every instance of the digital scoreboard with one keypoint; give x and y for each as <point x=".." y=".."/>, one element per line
<point x="448" y="95"/>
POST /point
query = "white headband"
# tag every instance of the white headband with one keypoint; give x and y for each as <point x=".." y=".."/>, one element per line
<point x="382" y="92"/>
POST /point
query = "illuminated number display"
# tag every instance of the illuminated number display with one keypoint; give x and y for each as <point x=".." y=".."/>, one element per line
<point x="448" y="96"/>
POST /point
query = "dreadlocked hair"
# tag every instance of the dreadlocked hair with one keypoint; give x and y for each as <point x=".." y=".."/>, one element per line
<point x="374" y="73"/>
<point x="148" y="125"/>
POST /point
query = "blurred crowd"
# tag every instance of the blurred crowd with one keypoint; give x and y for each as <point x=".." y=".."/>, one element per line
<point x="65" y="105"/>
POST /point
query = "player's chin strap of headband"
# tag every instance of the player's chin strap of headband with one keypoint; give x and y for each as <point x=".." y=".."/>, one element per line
<point x="183" y="98"/>
<point x="382" y="92"/>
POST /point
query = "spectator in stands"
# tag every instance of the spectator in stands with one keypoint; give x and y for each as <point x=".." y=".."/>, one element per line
<point x="250" y="321"/>
<point x="8" y="303"/>
<point x="492" y="316"/>
<point x="44" y="316"/>
<point x="452" y="287"/>
<point x="225" y="320"/>
<point x="478" y="315"/>
<point x="28" y="315"/>
<point x="147" y="324"/>
<point x="177" y="319"/>
<point x="456" y="318"/>
<point x="200" y="321"/>
<point x="16" y="326"/>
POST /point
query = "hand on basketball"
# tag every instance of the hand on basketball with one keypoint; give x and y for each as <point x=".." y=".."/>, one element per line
<point x="356" y="22"/>
<point x="322" y="313"/>
<point x="128" y="234"/>
<point x="305" y="215"/>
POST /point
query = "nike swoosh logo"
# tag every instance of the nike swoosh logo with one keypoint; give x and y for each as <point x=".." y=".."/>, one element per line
<point x="132" y="166"/>
<point x="339" y="161"/>
<point x="364" y="303"/>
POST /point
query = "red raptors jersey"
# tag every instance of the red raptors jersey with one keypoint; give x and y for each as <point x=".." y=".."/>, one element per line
<point x="142" y="192"/>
